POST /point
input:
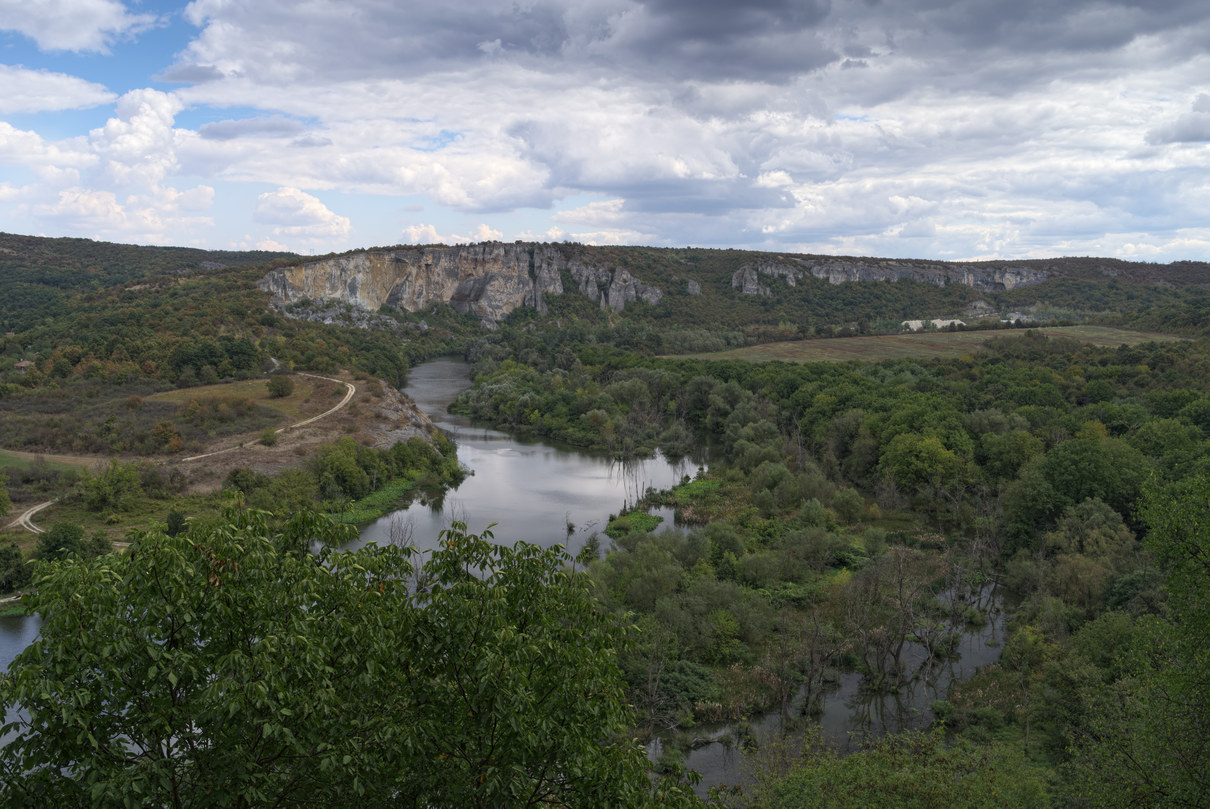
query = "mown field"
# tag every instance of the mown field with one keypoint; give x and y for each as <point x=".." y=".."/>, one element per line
<point x="11" y="459"/>
<point x="920" y="345"/>
<point x="295" y="406"/>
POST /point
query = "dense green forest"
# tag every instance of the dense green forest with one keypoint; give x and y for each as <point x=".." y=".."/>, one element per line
<point x="843" y="498"/>
<point x="851" y="511"/>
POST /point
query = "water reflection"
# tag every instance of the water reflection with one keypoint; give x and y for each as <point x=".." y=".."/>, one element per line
<point x="851" y="716"/>
<point x="533" y="491"/>
<point x="16" y="632"/>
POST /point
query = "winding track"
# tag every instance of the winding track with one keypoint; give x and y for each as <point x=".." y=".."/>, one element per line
<point x="350" y="392"/>
<point x="26" y="522"/>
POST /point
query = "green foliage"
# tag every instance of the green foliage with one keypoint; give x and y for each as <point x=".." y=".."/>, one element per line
<point x="174" y="523"/>
<point x="15" y="570"/>
<point x="113" y="488"/>
<point x="64" y="539"/>
<point x="360" y="482"/>
<point x="910" y="770"/>
<point x="280" y="386"/>
<point x="229" y="666"/>
<point x="636" y="522"/>
<point x="1145" y="742"/>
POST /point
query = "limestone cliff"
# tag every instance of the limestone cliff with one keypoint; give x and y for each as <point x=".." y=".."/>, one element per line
<point x="490" y="279"/>
<point x="840" y="270"/>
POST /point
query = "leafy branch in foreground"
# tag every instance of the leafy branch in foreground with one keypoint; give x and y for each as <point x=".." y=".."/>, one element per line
<point x="231" y="666"/>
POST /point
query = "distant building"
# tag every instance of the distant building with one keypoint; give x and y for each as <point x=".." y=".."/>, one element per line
<point x="24" y="366"/>
<point x="917" y="325"/>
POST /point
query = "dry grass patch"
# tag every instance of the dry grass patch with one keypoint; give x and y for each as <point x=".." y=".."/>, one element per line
<point x="307" y="399"/>
<point x="919" y="345"/>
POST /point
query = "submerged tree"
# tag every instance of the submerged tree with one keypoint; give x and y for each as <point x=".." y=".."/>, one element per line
<point x="231" y="666"/>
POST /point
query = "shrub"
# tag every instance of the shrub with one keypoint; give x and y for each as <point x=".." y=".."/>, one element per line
<point x="280" y="386"/>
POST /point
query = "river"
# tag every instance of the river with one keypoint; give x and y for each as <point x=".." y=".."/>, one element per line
<point x="531" y="490"/>
<point x="548" y="494"/>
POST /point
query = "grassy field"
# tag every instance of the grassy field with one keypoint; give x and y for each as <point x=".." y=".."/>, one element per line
<point x="921" y="345"/>
<point x="295" y="406"/>
<point x="11" y="459"/>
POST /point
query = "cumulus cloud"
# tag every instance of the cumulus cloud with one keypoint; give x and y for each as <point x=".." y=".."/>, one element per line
<point x="41" y="90"/>
<point x="965" y="128"/>
<point x="139" y="145"/>
<point x="72" y="25"/>
<point x="427" y="234"/>
<point x="157" y="218"/>
<point x="298" y="214"/>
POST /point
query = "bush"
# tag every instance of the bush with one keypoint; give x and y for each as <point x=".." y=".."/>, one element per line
<point x="280" y="386"/>
<point x="15" y="572"/>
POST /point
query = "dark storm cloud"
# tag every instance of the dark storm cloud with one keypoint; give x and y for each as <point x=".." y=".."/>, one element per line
<point x="768" y="40"/>
<point x="959" y="44"/>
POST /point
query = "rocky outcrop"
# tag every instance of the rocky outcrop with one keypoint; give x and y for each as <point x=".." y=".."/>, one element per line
<point x="613" y="288"/>
<point x="395" y="417"/>
<point x="747" y="281"/>
<point x="489" y="280"/>
<point x="842" y="270"/>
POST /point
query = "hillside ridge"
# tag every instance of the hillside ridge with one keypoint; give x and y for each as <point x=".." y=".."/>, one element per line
<point x="491" y="279"/>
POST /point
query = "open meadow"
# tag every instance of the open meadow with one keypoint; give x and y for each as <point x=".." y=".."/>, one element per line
<point x="920" y="345"/>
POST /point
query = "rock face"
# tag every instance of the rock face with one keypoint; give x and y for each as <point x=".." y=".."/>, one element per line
<point x="747" y="280"/>
<point x="397" y="418"/>
<point x="840" y="270"/>
<point x="490" y="279"/>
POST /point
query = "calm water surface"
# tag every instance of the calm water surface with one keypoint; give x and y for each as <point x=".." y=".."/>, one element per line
<point x="16" y="632"/>
<point x="850" y="715"/>
<point x="530" y="490"/>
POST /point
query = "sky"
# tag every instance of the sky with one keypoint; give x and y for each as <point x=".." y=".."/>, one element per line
<point x="939" y="129"/>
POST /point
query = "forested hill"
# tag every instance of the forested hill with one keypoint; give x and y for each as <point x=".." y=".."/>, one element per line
<point x="754" y="295"/>
<point x="37" y="275"/>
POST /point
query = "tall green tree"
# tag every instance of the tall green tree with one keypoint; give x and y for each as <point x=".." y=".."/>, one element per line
<point x="230" y="666"/>
<point x="1147" y="742"/>
<point x="5" y="503"/>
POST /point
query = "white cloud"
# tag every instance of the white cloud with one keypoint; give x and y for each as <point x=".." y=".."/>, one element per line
<point x="139" y="145"/>
<point x="427" y="234"/>
<point x="41" y="91"/>
<point x="969" y="129"/>
<point x="300" y="216"/>
<point x="160" y="218"/>
<point x="1189" y="127"/>
<point x="72" y="25"/>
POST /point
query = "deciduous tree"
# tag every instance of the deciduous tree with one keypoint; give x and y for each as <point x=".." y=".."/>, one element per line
<point x="231" y="666"/>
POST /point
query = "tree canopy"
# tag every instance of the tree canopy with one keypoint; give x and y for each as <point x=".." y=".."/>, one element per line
<point x="230" y="665"/>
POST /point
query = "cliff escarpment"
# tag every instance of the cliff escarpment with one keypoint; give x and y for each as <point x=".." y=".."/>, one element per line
<point x="841" y="270"/>
<point x="492" y="279"/>
<point x="489" y="280"/>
